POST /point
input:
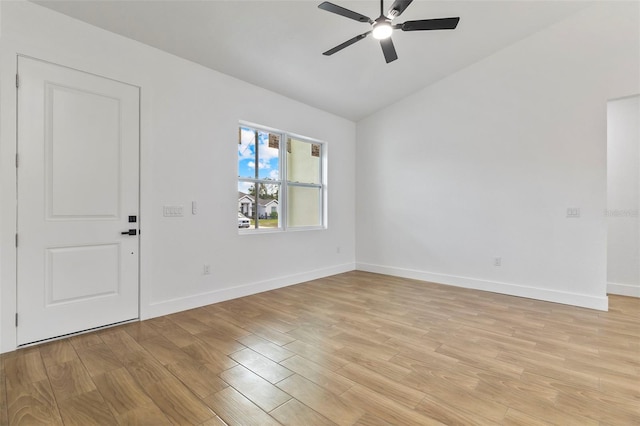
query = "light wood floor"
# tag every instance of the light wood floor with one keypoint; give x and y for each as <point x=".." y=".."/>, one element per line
<point x="356" y="348"/>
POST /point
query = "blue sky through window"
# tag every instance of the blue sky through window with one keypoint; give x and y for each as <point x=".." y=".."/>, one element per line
<point x="268" y="158"/>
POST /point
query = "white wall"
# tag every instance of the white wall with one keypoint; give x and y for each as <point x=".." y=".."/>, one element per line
<point x="189" y="118"/>
<point x="494" y="156"/>
<point x="623" y="196"/>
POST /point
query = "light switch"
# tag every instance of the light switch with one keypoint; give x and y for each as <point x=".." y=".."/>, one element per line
<point x="172" y="211"/>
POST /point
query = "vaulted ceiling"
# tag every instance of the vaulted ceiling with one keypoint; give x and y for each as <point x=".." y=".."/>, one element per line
<point x="278" y="45"/>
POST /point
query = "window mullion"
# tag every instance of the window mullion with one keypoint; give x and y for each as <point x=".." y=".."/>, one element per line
<point x="306" y="185"/>
<point x="282" y="216"/>
<point x="256" y="185"/>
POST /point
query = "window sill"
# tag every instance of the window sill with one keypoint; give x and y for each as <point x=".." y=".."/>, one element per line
<point x="250" y="231"/>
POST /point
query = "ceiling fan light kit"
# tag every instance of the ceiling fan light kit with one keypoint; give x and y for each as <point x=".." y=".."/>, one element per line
<point x="383" y="26"/>
<point x="382" y="29"/>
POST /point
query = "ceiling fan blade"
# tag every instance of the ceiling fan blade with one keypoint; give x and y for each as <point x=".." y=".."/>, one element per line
<point x="429" y="24"/>
<point x="388" y="49"/>
<point x="398" y="7"/>
<point x="333" y="8"/>
<point x="346" y="44"/>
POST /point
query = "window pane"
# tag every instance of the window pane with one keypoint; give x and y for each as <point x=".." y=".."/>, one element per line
<point x="303" y="161"/>
<point x="247" y="153"/>
<point x="303" y="206"/>
<point x="246" y="205"/>
<point x="268" y="156"/>
<point x="269" y="205"/>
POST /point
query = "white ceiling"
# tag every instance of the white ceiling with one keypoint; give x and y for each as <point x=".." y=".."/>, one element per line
<point x="278" y="45"/>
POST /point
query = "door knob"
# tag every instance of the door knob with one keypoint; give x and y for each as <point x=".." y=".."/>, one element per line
<point x="130" y="232"/>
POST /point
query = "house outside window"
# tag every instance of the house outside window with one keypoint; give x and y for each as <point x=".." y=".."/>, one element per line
<point x="280" y="180"/>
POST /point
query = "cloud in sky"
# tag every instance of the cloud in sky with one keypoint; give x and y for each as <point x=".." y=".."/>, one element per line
<point x="244" y="186"/>
<point x="268" y="158"/>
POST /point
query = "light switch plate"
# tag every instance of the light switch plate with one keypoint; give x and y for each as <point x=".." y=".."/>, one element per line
<point x="173" y="211"/>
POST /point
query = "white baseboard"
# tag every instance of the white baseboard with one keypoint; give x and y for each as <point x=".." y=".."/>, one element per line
<point x="167" y="307"/>
<point x="566" y="298"/>
<point x="623" y="289"/>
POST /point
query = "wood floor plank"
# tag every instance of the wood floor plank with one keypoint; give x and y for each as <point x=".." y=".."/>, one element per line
<point x="86" y="410"/>
<point x="121" y="392"/>
<point x="24" y="368"/>
<point x="295" y="413"/>
<point x="320" y="400"/>
<point x="594" y="405"/>
<point x="383" y="385"/>
<point x="143" y="416"/>
<point x="518" y="418"/>
<point x="57" y="352"/>
<point x="187" y="322"/>
<point x="69" y="379"/>
<point x="223" y="324"/>
<point x="201" y="379"/>
<point x="381" y="407"/>
<point x="370" y="420"/>
<point x="258" y="390"/>
<point x="279" y="338"/>
<point x="32" y="404"/>
<point x="140" y="331"/>
<point x="261" y="365"/>
<point x="165" y="351"/>
<point x="178" y="403"/>
<point x="173" y="332"/>
<point x="235" y="409"/>
<point x="119" y="341"/>
<point x="505" y="365"/>
<point x="4" y="414"/>
<point x="317" y="355"/>
<point x="206" y="354"/>
<point x="98" y="359"/>
<point x="331" y="381"/>
<point x="144" y="368"/>
<point x="474" y="404"/>
<point x="85" y="340"/>
<point x="516" y="393"/>
<point x="266" y="348"/>
<point x="449" y="412"/>
<point x="225" y="345"/>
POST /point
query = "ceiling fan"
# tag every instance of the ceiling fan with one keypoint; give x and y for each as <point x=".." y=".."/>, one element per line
<point x="383" y="26"/>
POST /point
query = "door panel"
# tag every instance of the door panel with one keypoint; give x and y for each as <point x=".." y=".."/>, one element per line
<point x="78" y="146"/>
<point x="73" y="274"/>
<point x="96" y="142"/>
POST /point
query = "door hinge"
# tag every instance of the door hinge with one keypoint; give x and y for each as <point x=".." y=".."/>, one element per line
<point x="16" y="240"/>
<point x="16" y="319"/>
<point x="16" y="160"/>
<point x="17" y="81"/>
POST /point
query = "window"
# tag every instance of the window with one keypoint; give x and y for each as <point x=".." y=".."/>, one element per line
<point x="280" y="180"/>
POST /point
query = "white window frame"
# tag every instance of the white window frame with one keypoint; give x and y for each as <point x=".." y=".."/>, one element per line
<point x="285" y="183"/>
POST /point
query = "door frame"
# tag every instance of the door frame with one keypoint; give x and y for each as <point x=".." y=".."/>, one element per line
<point x="17" y="204"/>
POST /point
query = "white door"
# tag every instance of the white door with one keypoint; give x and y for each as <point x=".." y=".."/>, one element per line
<point x="78" y="190"/>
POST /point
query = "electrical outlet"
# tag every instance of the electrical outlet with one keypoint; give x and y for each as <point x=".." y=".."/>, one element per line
<point x="573" y="212"/>
<point x="206" y="270"/>
<point x="497" y="261"/>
